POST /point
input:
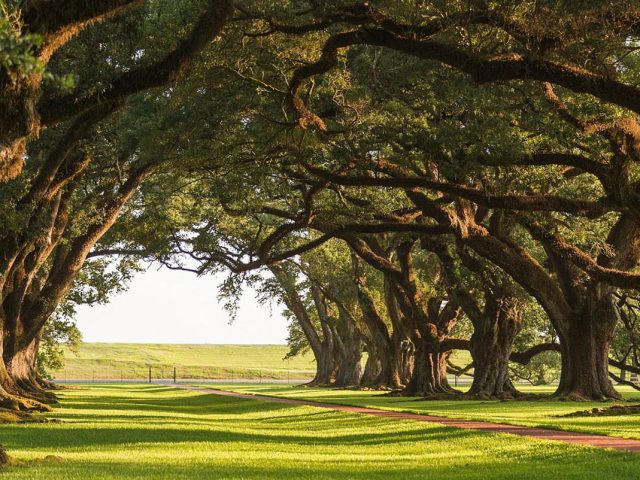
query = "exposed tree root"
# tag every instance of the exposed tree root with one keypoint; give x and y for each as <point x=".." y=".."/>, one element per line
<point x="577" y="396"/>
<point x="21" y="403"/>
<point x="606" y="412"/>
<point x="511" y="394"/>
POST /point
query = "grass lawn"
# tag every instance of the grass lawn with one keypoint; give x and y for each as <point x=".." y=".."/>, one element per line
<point x="132" y="360"/>
<point x="156" y="432"/>
<point x="532" y="413"/>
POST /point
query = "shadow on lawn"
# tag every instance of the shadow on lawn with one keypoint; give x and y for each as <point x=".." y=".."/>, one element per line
<point x="239" y="427"/>
<point x="339" y="470"/>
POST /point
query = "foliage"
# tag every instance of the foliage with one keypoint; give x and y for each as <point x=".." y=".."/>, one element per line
<point x="59" y="337"/>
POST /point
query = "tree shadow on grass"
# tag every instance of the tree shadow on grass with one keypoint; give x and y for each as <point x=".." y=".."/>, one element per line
<point x="369" y="467"/>
<point x="266" y="439"/>
<point x="200" y="404"/>
<point x="320" y="433"/>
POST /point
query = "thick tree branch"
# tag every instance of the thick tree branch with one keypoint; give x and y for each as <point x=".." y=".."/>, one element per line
<point x="164" y="71"/>
<point x="545" y="203"/>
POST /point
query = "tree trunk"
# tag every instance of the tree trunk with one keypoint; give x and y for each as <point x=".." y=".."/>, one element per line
<point x="325" y="369"/>
<point x="585" y="345"/>
<point x="11" y="396"/>
<point x="7" y="400"/>
<point x="402" y="350"/>
<point x="327" y="364"/>
<point x="372" y="367"/>
<point x="22" y="366"/>
<point x="386" y="364"/>
<point x="350" y="369"/>
<point x="429" y="377"/>
<point x="633" y="377"/>
<point x="623" y="376"/>
<point x="491" y="345"/>
<point x="404" y="353"/>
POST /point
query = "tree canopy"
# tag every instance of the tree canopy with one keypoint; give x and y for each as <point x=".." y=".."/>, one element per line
<point x="408" y="179"/>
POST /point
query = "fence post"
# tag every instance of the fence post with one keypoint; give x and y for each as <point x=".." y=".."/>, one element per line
<point x="455" y="380"/>
<point x="93" y="376"/>
<point x="260" y="376"/>
<point x="149" y="374"/>
<point x="121" y="376"/>
<point x="174" y="375"/>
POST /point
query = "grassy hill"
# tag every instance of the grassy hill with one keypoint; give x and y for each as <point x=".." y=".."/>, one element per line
<point x="132" y="361"/>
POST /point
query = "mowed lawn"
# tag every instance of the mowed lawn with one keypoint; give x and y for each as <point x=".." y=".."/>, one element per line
<point x="132" y="361"/>
<point x="157" y="432"/>
<point x="539" y="413"/>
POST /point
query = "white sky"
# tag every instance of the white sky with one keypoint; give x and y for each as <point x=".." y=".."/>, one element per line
<point x="164" y="306"/>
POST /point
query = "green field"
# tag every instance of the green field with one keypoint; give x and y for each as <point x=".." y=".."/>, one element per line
<point x="132" y="361"/>
<point x="155" y="432"/>
<point x="539" y="413"/>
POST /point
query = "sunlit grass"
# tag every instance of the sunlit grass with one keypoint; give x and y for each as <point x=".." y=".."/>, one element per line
<point x="155" y="432"/>
<point x="533" y="413"/>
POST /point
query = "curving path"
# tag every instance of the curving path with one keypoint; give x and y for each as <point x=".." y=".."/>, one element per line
<point x="586" y="439"/>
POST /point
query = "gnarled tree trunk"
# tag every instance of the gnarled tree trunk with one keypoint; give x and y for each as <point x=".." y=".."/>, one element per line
<point x="585" y="342"/>
<point x="21" y="359"/>
<point x="349" y="371"/>
<point x="328" y="365"/>
<point x="7" y="400"/>
<point x="386" y="361"/>
<point x="429" y="378"/>
<point x="491" y="345"/>
<point x="402" y="349"/>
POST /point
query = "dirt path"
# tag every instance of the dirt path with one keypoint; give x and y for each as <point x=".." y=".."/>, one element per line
<point x="587" y="439"/>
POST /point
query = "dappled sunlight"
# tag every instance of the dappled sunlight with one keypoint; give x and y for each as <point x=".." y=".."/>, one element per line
<point x="130" y="432"/>
<point x="538" y="413"/>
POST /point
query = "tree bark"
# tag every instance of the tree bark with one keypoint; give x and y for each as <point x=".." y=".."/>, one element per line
<point x="12" y="397"/>
<point x="328" y="366"/>
<point x="584" y="343"/>
<point x="491" y="345"/>
<point x="21" y="360"/>
<point x="6" y="399"/>
<point x="388" y="373"/>
<point x="349" y="371"/>
<point x="372" y="367"/>
<point x="402" y="349"/>
<point x="429" y="378"/>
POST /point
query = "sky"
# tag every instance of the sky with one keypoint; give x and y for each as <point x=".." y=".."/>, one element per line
<point x="166" y="306"/>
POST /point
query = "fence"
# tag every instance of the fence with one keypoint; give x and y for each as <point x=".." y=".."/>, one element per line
<point x="135" y="373"/>
<point x="178" y="374"/>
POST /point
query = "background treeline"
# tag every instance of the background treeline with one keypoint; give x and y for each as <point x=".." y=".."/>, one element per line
<point x="408" y="178"/>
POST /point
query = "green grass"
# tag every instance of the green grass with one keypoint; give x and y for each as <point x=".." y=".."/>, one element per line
<point x="532" y="413"/>
<point x="132" y="360"/>
<point x="156" y="432"/>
